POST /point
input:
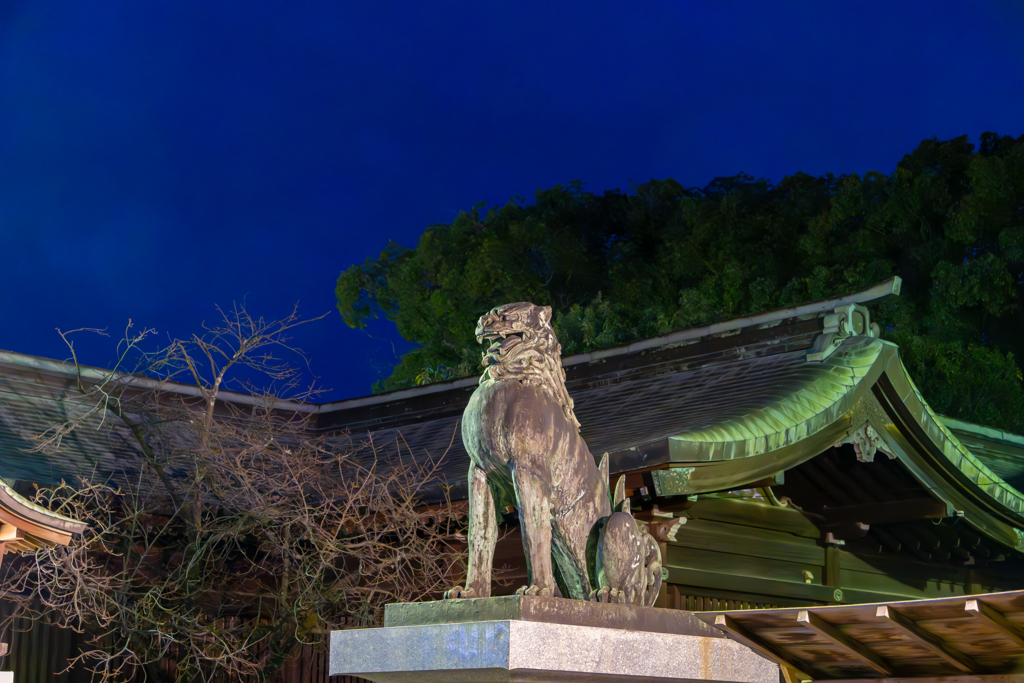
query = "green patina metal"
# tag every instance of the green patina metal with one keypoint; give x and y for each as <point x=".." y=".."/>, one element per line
<point x="672" y="482"/>
<point x="828" y="402"/>
<point x="807" y="402"/>
<point x="962" y="458"/>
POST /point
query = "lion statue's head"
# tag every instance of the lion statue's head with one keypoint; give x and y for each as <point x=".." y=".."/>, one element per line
<point x="523" y="348"/>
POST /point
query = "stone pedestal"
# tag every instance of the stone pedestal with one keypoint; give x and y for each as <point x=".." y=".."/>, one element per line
<point x="535" y="640"/>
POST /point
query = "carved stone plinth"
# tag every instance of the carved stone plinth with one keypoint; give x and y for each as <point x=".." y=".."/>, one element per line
<point x="535" y="640"/>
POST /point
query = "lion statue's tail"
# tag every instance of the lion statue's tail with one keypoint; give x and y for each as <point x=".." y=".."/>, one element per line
<point x="627" y="561"/>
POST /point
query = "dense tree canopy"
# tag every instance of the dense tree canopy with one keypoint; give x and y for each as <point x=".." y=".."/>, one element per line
<point x="622" y="266"/>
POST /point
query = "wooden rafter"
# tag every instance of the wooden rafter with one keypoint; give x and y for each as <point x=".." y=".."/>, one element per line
<point x="980" y="678"/>
<point x="990" y="651"/>
<point x="858" y="650"/>
<point x="886" y="513"/>
<point x="995" y="619"/>
<point x="917" y="634"/>
<point x="741" y="634"/>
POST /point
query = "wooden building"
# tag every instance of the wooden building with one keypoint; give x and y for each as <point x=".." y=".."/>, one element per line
<point x="806" y="467"/>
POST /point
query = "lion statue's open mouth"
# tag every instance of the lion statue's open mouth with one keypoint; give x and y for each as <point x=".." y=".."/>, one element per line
<point x="509" y="327"/>
<point x="503" y="343"/>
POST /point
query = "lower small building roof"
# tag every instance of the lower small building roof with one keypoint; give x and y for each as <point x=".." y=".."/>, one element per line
<point x="975" y="638"/>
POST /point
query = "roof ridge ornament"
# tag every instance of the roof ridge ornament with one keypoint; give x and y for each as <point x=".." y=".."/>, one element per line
<point x="851" y="320"/>
<point x="866" y="443"/>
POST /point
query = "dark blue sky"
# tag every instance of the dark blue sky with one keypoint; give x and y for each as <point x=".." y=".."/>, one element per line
<point x="159" y="158"/>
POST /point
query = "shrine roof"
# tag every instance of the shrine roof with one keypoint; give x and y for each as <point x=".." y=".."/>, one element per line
<point x="705" y="409"/>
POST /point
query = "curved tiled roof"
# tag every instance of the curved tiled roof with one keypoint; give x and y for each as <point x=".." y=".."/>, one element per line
<point x="36" y="526"/>
<point x="817" y="404"/>
<point x="796" y="406"/>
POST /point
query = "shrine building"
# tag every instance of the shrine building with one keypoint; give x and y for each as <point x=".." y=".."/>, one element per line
<point x="786" y="462"/>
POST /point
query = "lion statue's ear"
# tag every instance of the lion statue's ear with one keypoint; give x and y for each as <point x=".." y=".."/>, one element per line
<point x="545" y="314"/>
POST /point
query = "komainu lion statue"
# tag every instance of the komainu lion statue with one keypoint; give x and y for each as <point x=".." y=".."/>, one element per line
<point x="526" y="450"/>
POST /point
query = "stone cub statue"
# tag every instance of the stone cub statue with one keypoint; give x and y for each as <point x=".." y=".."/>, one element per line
<point x="526" y="450"/>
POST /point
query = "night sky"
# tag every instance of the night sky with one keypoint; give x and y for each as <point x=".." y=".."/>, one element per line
<point x="160" y="158"/>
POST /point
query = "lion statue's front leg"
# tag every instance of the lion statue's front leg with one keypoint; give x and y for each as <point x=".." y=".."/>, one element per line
<point x="481" y="538"/>
<point x="533" y="494"/>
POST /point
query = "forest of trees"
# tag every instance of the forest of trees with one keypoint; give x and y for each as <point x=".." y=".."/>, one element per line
<point x="622" y="266"/>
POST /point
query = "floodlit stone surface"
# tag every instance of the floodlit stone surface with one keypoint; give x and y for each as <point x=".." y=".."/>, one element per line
<point x="512" y="650"/>
<point x="549" y="610"/>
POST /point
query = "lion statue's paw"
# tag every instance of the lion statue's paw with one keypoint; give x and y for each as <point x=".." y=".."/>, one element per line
<point x="608" y="594"/>
<point x="543" y="591"/>
<point x="459" y="592"/>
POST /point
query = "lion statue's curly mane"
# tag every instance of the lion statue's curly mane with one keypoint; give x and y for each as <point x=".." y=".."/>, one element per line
<point x="535" y="360"/>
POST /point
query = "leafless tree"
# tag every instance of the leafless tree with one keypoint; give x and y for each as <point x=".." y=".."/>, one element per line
<point x="239" y="533"/>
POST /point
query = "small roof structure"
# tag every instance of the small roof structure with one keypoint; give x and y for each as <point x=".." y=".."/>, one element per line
<point x="27" y="526"/>
<point x="976" y="638"/>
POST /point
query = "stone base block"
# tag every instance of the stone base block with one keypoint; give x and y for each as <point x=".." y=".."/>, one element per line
<point x="550" y="611"/>
<point x="514" y="650"/>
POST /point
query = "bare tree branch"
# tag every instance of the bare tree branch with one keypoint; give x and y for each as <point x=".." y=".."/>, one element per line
<point x="241" y="533"/>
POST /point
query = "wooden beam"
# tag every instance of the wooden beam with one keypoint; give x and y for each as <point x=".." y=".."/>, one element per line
<point x="833" y="567"/>
<point x="775" y="591"/>
<point x="958" y="678"/>
<point x="788" y="675"/>
<point x="837" y="637"/>
<point x="995" y="619"/>
<point x="884" y="513"/>
<point x="741" y="634"/>
<point x="845" y="531"/>
<point x="939" y="648"/>
<point x="777" y="519"/>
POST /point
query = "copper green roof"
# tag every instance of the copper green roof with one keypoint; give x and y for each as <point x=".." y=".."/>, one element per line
<point x="863" y="383"/>
<point x="799" y="405"/>
<point x="1001" y="451"/>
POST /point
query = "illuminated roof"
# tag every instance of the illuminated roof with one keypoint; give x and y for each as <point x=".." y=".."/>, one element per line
<point x="706" y="409"/>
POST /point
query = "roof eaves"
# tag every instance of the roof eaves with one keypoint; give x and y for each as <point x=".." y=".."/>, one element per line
<point x="987" y="433"/>
<point x="93" y="374"/>
<point x="766" y="319"/>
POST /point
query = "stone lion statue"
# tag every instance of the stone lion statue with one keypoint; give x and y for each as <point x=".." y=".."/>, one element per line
<point x="526" y="450"/>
